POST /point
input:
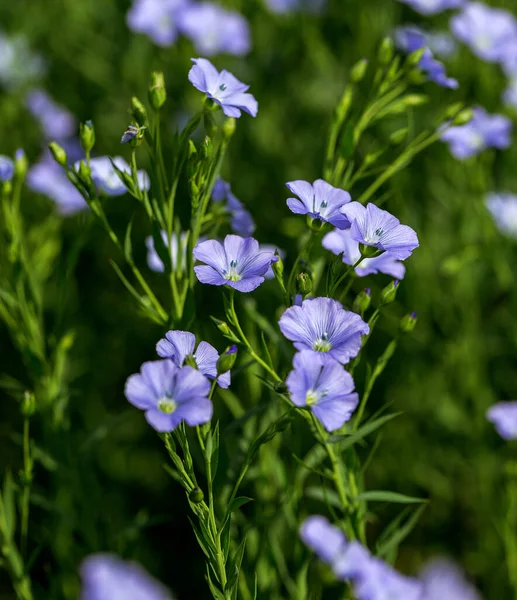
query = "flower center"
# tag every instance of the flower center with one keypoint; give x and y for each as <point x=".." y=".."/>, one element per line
<point x="231" y="274"/>
<point x="323" y="205"/>
<point x="322" y="344"/>
<point x="314" y="396"/>
<point x="222" y="87"/>
<point x="167" y="405"/>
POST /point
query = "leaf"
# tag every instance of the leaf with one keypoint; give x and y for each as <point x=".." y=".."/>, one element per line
<point x="387" y="496"/>
<point x="216" y="593"/>
<point x="235" y="567"/>
<point x="212" y="448"/>
<point x="161" y="248"/>
<point x="269" y="360"/>
<point x="346" y="144"/>
<point x="324" y="495"/>
<point x="8" y="507"/>
<point x="348" y="440"/>
<point x="238" y="502"/>
<point x="128" y="249"/>
<point x="204" y="544"/>
<point x="399" y="534"/>
<point x="125" y="281"/>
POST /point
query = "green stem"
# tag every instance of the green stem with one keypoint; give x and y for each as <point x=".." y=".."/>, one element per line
<point x="27" y="473"/>
<point x="345" y="275"/>
<point x="304" y="253"/>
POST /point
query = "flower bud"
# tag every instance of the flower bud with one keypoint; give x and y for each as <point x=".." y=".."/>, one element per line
<point x="21" y="164"/>
<point x="314" y="224"/>
<point x="385" y="53"/>
<point x="193" y="189"/>
<point x="464" y="117"/>
<point x="227" y="359"/>
<point x="222" y="326"/>
<point x="415" y="99"/>
<point x="415" y="57"/>
<point x="358" y="71"/>
<point x="408" y="323"/>
<point x="278" y="266"/>
<point x="206" y="147"/>
<point x="397" y="137"/>
<point x="389" y="293"/>
<point x="454" y="109"/>
<point x="210" y="126"/>
<point x="190" y="361"/>
<point x="84" y="171"/>
<point x="87" y="136"/>
<point x="196" y="495"/>
<point x="157" y="92"/>
<point x="228" y="128"/>
<point x="28" y="404"/>
<point x="368" y="251"/>
<point x="58" y="154"/>
<point x="303" y="284"/>
<point x="362" y="302"/>
<point x="138" y="111"/>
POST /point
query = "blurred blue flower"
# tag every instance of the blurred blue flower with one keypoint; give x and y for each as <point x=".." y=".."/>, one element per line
<point x="170" y="394"/>
<point x="241" y="219"/>
<point x="6" y="168"/>
<point x="322" y="384"/>
<point x="107" y="577"/>
<point x="483" y="131"/>
<point x="158" y="19"/>
<point x="48" y="178"/>
<point x="18" y="65"/>
<point x="319" y="200"/>
<point x="106" y="178"/>
<point x="341" y="241"/>
<point x="322" y="537"/>
<point x="432" y="7"/>
<point x="180" y="345"/>
<point x="444" y="580"/>
<point x="503" y="208"/>
<point x="504" y="416"/>
<point x="286" y="6"/>
<point x="56" y="122"/>
<point x="485" y="30"/>
<point x="510" y="94"/>
<point x="155" y="262"/>
<point x="223" y="88"/>
<point x="323" y="325"/>
<point x="376" y="580"/>
<point x="238" y="263"/>
<point x="375" y="227"/>
<point x="214" y="29"/>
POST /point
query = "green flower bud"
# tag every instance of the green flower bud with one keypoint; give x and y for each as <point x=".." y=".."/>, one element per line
<point x="464" y="117"/>
<point x="278" y="266"/>
<point x="368" y="251"/>
<point x="210" y="126"/>
<point x="157" y="92"/>
<point x="207" y="147"/>
<point x="21" y="164"/>
<point x="196" y="496"/>
<point x="227" y="359"/>
<point x="190" y="361"/>
<point x="389" y="293"/>
<point x="303" y="284"/>
<point x="415" y="99"/>
<point x="314" y="224"/>
<point x="58" y="154"/>
<point x="397" y="137"/>
<point x="84" y="172"/>
<point x="358" y="71"/>
<point x="138" y="111"/>
<point x="229" y="127"/>
<point x="385" y="53"/>
<point x="87" y="136"/>
<point x="362" y="302"/>
<point x="454" y="109"/>
<point x="193" y="189"/>
<point x="408" y="323"/>
<point x="222" y="326"/>
<point x="415" y="57"/>
<point x="28" y="404"/>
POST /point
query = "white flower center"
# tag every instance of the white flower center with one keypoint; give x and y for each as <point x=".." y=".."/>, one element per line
<point x="232" y="274"/>
<point x="322" y="344"/>
<point x="167" y="405"/>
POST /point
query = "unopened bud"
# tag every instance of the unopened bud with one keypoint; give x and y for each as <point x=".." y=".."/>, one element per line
<point x="157" y="92"/>
<point x="190" y="361"/>
<point x="28" y="404"/>
<point x="193" y="189"/>
<point x="454" y="110"/>
<point x="303" y="284"/>
<point x="397" y="137"/>
<point x="278" y="266"/>
<point x="228" y="128"/>
<point x="21" y="164"/>
<point x="464" y="117"/>
<point x="408" y="323"/>
<point x="207" y="147"/>
<point x="58" y="154"/>
<point x="227" y="359"/>
<point x="222" y="326"/>
<point x="314" y="224"/>
<point x="84" y="171"/>
<point x="138" y="111"/>
<point x="358" y="71"/>
<point x="196" y="496"/>
<point x="362" y="301"/>
<point x="87" y="136"/>
<point x="415" y="57"/>
<point x="385" y="53"/>
<point x="415" y="99"/>
<point x="389" y="293"/>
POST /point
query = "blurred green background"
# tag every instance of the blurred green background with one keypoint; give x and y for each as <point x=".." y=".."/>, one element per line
<point x="461" y="281"/>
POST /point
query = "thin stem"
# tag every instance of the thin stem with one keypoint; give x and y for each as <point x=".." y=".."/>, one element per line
<point x="27" y="474"/>
<point x="345" y="275"/>
<point x="304" y="252"/>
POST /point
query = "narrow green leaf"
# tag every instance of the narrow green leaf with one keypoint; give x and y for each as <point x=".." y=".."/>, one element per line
<point x="216" y="593"/>
<point x="346" y="144"/>
<point x="235" y="567"/>
<point x="324" y="495"/>
<point x="203" y="544"/>
<point x="125" y="281"/>
<point x="392" y="543"/>
<point x="348" y="440"/>
<point x="9" y="510"/>
<point x="128" y="248"/>
<point x="267" y="355"/>
<point x="387" y="496"/>
<point x="214" y="455"/>
<point x="238" y="502"/>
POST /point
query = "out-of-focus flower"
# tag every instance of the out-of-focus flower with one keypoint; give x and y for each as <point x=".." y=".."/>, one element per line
<point x="178" y="252"/>
<point x="223" y="88"/>
<point x="322" y="537"/>
<point x="375" y="227"/>
<point x="106" y="178"/>
<point x="323" y="325"/>
<point x="509" y="57"/>
<point x="56" y="122"/>
<point x="338" y="242"/>
<point x="483" y="131"/>
<point x="241" y="219"/>
<point x="157" y="19"/>
<point x="503" y="208"/>
<point x="444" y="580"/>
<point x="377" y="580"/>
<point x="18" y="65"/>
<point x="432" y="7"/>
<point x="238" y="263"/>
<point x="107" y="577"/>
<point x="181" y="345"/>
<point x="510" y="94"/>
<point x="48" y="178"/>
<point x="504" y="416"/>
<point x="287" y="6"/>
<point x="485" y="30"/>
<point x="169" y="395"/>
<point x="322" y="384"/>
<point x="214" y="29"/>
<point x="319" y="200"/>
<point x="6" y="168"/>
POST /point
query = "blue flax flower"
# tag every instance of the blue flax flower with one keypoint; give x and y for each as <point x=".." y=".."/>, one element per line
<point x="170" y="394"/>
<point x="322" y="325"/>
<point x="181" y="345"/>
<point x="106" y="178"/>
<point x="158" y="19"/>
<point x="238" y="263"/>
<point x="241" y="221"/>
<point x="322" y="384"/>
<point x="444" y="580"/>
<point x="223" y="88"/>
<point x="504" y="416"/>
<point x="214" y="29"/>
<point x="485" y="30"/>
<point x="6" y="168"/>
<point x="432" y="7"/>
<point x="483" y="131"/>
<point x="56" y="122"/>
<point x="319" y="200"/>
<point x="178" y="252"/>
<point x="375" y="227"/>
<point x="342" y="242"/>
<point x="503" y="208"/>
<point x="107" y="577"/>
